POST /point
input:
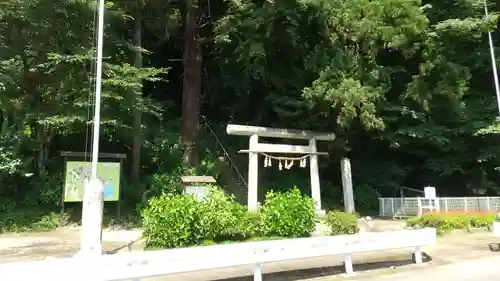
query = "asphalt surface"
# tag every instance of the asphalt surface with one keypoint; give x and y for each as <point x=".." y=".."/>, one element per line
<point x="486" y="269"/>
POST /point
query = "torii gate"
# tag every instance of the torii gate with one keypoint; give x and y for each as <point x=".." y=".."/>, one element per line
<point x="256" y="148"/>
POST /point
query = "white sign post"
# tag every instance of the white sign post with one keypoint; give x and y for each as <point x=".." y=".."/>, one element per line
<point x="256" y="148"/>
<point x="430" y="192"/>
<point x="430" y="198"/>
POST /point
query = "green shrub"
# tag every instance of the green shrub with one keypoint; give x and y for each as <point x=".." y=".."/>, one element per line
<point x="166" y="183"/>
<point x="251" y="224"/>
<point x="174" y="220"/>
<point x="45" y="190"/>
<point x="483" y="220"/>
<point x="7" y="205"/>
<point x="222" y="215"/>
<point x="366" y="198"/>
<point x="342" y="223"/>
<point x="26" y="221"/>
<point x="135" y="194"/>
<point x="288" y="214"/>
<point x="449" y="221"/>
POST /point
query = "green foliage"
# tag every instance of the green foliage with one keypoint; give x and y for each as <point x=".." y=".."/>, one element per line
<point x="7" y="205"/>
<point x="341" y="223"/>
<point x="166" y="155"/>
<point x="166" y="183"/>
<point x="366" y="198"/>
<point x="175" y="220"/>
<point x="10" y="160"/>
<point x="288" y="214"/>
<point x="172" y="221"/>
<point x="298" y="178"/>
<point x="46" y="191"/>
<point x="223" y="215"/>
<point x="29" y="221"/>
<point x="129" y="218"/>
<point x="134" y="195"/>
<point x="405" y="81"/>
<point x="450" y="221"/>
<point x="251" y="225"/>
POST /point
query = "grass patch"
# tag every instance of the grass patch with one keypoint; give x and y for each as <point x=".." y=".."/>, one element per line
<point x="29" y="221"/>
<point x="45" y="219"/>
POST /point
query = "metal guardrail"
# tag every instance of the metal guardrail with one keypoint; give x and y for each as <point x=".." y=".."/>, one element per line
<point x="139" y="265"/>
<point x="411" y="206"/>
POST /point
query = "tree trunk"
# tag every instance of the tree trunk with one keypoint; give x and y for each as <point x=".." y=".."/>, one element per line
<point x="40" y="162"/>
<point x="191" y="85"/>
<point x="136" y="145"/>
<point x="29" y="86"/>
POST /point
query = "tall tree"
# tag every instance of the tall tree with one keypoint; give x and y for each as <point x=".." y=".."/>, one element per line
<point x="136" y="145"/>
<point x="191" y="89"/>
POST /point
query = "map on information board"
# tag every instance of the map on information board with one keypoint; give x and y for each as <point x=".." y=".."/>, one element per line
<point x="78" y="174"/>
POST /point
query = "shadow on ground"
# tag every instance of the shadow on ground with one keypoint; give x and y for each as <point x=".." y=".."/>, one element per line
<point x="312" y="273"/>
<point x="127" y="247"/>
<point x="494" y="247"/>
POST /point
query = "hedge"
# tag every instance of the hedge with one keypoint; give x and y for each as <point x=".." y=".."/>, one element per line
<point x="176" y="220"/>
<point x="341" y="223"/>
<point x="444" y="221"/>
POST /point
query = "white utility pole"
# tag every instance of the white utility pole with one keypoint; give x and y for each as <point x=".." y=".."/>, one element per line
<point x="493" y="60"/>
<point x="91" y="242"/>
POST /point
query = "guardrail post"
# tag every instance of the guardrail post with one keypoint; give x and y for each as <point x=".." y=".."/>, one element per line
<point x="418" y="255"/>
<point x="348" y="264"/>
<point x="465" y="204"/>
<point x="257" y="272"/>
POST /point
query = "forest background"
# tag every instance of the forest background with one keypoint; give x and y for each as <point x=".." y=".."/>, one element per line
<point x="406" y="85"/>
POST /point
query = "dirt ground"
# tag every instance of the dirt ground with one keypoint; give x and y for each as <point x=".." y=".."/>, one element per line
<point x="450" y="248"/>
<point x="63" y="242"/>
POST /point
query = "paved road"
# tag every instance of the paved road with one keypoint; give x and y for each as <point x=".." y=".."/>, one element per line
<point x="486" y="269"/>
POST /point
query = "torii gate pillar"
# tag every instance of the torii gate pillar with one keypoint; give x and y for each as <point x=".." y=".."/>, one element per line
<point x="253" y="174"/>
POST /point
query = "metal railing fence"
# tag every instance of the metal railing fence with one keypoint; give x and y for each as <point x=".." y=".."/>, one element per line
<point x="412" y="206"/>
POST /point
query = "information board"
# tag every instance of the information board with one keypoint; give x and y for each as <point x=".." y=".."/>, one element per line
<point x="78" y="175"/>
